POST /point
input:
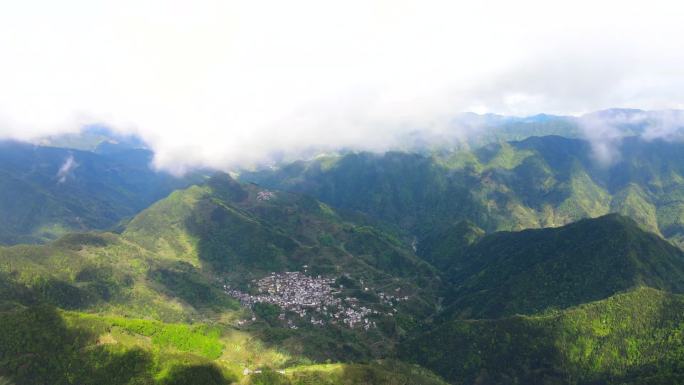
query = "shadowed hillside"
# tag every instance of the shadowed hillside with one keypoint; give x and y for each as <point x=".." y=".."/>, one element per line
<point x="534" y="270"/>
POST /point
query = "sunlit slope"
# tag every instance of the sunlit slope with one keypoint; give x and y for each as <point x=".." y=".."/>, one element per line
<point x="41" y="345"/>
<point x="135" y="301"/>
<point x="243" y="231"/>
<point x="104" y="273"/>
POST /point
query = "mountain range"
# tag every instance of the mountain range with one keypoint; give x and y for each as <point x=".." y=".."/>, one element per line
<point x="518" y="257"/>
<point x="537" y="182"/>
<point x="46" y="192"/>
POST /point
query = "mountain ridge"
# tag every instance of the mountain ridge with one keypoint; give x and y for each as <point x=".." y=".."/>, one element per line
<point x="537" y="182"/>
<point x="49" y="191"/>
<point x="535" y="270"/>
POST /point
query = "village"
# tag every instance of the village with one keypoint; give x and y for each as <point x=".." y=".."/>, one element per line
<point x="317" y="300"/>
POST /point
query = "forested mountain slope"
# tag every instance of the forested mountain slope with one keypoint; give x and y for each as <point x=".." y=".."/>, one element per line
<point x="46" y="192"/>
<point x="589" y="302"/>
<point x="151" y="304"/>
<point x="537" y="182"/>
<point x="533" y="271"/>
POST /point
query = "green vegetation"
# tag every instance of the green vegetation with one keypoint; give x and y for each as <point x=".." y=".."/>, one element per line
<point x="199" y="339"/>
<point x="594" y="301"/>
<point x="630" y="338"/>
<point x="381" y="372"/>
<point x="444" y="246"/>
<point x="40" y="345"/>
<point x="148" y="305"/>
<point x="536" y="182"/>
<point x="587" y="303"/>
<point x="535" y="270"/>
<point x="43" y="345"/>
<point x="37" y="204"/>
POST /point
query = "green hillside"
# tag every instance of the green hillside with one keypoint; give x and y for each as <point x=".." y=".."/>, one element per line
<point x="587" y="303"/>
<point x="536" y="270"/>
<point x="634" y="337"/>
<point x="41" y="345"/>
<point x="444" y="246"/>
<point x="536" y="182"/>
<point x="234" y="282"/>
<point x="46" y="192"/>
<point x="224" y="227"/>
<point x="149" y="305"/>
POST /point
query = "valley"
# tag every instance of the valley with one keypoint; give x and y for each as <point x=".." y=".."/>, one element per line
<point x="299" y="295"/>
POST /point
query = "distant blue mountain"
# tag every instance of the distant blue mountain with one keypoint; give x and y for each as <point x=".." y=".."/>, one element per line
<point x="95" y="138"/>
<point x="48" y="191"/>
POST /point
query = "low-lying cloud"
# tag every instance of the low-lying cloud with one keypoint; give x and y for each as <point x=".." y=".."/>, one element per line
<point x="605" y="130"/>
<point x="66" y="169"/>
<point x="233" y="83"/>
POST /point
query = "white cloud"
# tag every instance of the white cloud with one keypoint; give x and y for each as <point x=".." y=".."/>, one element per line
<point x="605" y="130"/>
<point x="221" y="82"/>
<point x="66" y="168"/>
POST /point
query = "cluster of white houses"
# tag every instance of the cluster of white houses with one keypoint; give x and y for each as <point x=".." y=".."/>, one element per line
<point x="312" y="298"/>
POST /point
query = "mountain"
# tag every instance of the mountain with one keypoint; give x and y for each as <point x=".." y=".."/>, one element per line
<point x="157" y="269"/>
<point x="156" y="303"/>
<point x="94" y="139"/>
<point x="244" y="230"/>
<point x="533" y="271"/>
<point x="589" y="302"/>
<point x="46" y="192"/>
<point x="470" y="131"/>
<point x="506" y="259"/>
<point x="537" y="182"/>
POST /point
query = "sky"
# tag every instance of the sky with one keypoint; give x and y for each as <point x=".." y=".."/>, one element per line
<point x="231" y="83"/>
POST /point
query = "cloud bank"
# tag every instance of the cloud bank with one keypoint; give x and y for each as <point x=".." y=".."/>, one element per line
<point x="606" y="129"/>
<point x="231" y="83"/>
